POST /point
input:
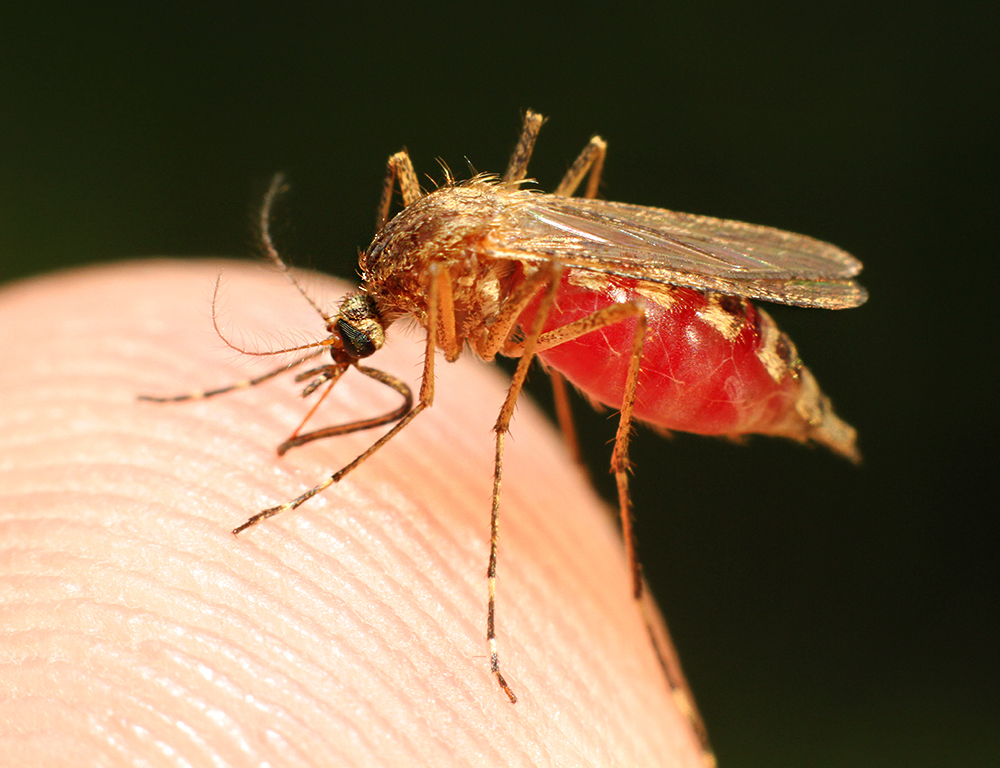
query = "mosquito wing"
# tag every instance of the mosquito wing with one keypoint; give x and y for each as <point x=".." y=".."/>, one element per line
<point x="660" y="246"/>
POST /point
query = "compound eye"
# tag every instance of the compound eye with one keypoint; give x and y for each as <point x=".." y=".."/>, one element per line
<point x="357" y="342"/>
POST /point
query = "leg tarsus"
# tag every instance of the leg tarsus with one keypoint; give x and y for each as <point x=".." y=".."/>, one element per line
<point x="517" y="168"/>
<point x="244" y="384"/>
<point x="590" y="159"/>
<point x="501" y="428"/>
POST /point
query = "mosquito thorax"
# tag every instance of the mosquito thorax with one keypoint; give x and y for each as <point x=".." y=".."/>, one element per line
<point x="359" y="326"/>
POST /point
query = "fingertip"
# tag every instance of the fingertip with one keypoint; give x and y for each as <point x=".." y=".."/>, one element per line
<point x="361" y="612"/>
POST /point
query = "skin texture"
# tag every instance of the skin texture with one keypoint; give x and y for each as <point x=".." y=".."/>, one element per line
<point x="135" y="629"/>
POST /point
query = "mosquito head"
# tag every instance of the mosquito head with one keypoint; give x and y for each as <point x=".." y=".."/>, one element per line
<point x="358" y="326"/>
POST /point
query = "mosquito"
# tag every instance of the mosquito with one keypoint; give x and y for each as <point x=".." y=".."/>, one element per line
<point x="644" y="310"/>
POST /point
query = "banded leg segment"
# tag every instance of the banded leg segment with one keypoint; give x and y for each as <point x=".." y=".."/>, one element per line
<point x="501" y="428"/>
<point x="526" y="349"/>
<point x="244" y="384"/>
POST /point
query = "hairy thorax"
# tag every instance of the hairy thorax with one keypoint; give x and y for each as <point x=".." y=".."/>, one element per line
<point x="452" y="227"/>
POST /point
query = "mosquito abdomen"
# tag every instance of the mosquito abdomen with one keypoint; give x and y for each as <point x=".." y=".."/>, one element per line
<point x="712" y="364"/>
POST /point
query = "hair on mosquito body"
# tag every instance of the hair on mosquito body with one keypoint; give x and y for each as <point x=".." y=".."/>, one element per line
<point x="645" y="311"/>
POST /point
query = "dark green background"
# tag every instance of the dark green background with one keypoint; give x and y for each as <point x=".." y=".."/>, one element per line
<point x="827" y="615"/>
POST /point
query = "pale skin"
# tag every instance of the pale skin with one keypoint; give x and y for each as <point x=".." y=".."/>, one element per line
<point x="135" y="627"/>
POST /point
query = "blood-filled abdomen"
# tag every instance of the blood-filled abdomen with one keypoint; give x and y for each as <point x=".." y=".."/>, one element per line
<point x="711" y="364"/>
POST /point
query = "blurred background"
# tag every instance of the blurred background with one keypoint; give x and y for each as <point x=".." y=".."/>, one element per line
<point x="826" y="614"/>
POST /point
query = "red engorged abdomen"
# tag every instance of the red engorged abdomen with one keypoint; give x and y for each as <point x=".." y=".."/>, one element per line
<point x="711" y="364"/>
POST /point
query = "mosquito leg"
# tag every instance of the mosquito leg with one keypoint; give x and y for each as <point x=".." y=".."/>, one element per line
<point x="619" y="458"/>
<point x="564" y="415"/>
<point x="590" y="159"/>
<point x="620" y="466"/>
<point x="245" y="384"/>
<point x="616" y="313"/>
<point x="361" y="424"/>
<point x="426" y="399"/>
<point x="501" y="428"/>
<point x="517" y="168"/>
<point x="670" y="663"/>
<point x="450" y="343"/>
<point x="513" y="306"/>
<point x="602" y="318"/>
<point x="329" y="376"/>
<point x="400" y="168"/>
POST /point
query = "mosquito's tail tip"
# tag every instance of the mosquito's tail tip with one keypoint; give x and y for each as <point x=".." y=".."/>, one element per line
<point x="822" y="425"/>
<point x="836" y="434"/>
